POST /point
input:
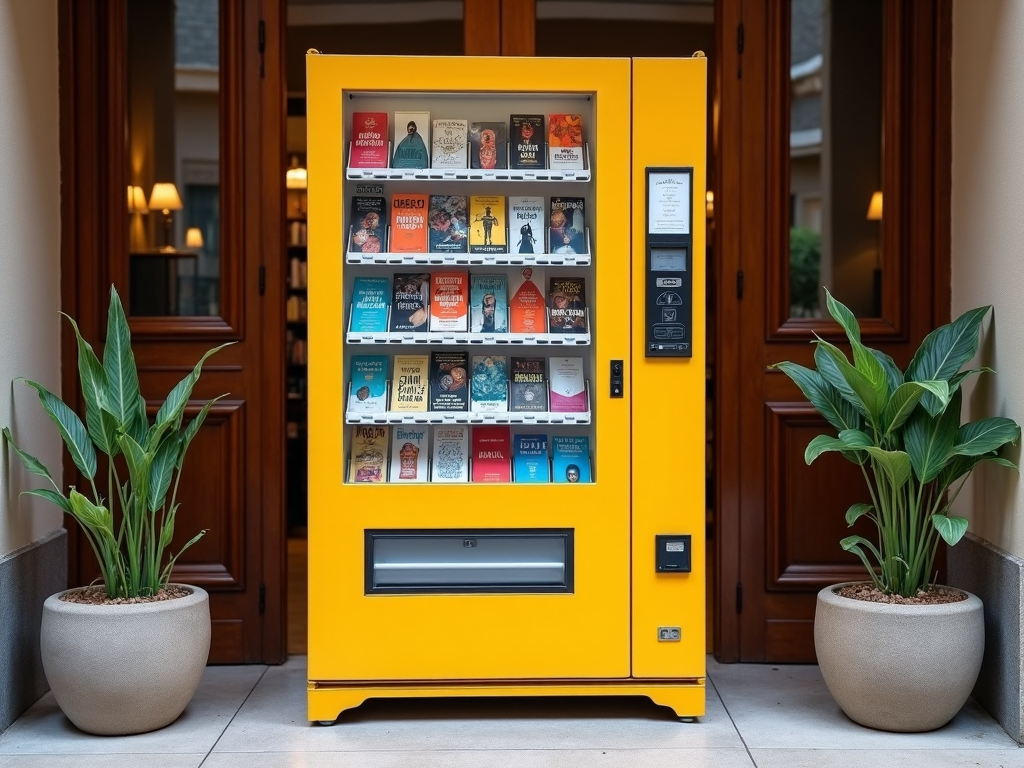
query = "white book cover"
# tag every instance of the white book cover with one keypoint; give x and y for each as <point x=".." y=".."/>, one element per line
<point x="410" y="444"/>
<point x="451" y="144"/>
<point x="450" y="454"/>
<point x="412" y="140"/>
<point x="526" y="217"/>
<point x="568" y="386"/>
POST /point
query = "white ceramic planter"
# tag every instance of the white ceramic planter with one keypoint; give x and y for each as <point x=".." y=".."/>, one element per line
<point x="121" y="669"/>
<point x="902" y="668"/>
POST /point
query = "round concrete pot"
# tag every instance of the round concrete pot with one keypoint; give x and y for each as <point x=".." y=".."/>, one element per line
<point x="903" y="668"/>
<point x="121" y="669"/>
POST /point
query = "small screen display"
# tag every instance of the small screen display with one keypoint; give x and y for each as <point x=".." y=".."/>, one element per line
<point x="675" y="546"/>
<point x="668" y="259"/>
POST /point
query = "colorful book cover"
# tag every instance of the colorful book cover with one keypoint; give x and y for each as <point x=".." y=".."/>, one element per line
<point x="568" y="386"/>
<point x="409" y="302"/>
<point x="526" y="223"/>
<point x="449" y="301"/>
<point x="526" y="142"/>
<point x="526" y="304"/>
<point x="450" y="454"/>
<point x="488" y="145"/>
<point x="369" y="140"/>
<point x="369" y="215"/>
<point x="528" y="387"/>
<point x="567" y="305"/>
<point x="487" y="224"/>
<point x="565" y="142"/>
<point x="412" y="139"/>
<point x="368" y="384"/>
<point x="530" y="459"/>
<point x="409" y="383"/>
<point x="449" y="381"/>
<point x="567" y="225"/>
<point x="488" y="386"/>
<point x="409" y="450"/>
<point x="492" y="455"/>
<point x="409" y="223"/>
<point x="369" y="454"/>
<point x="570" y="458"/>
<point x="450" y="147"/>
<point x="448" y="224"/>
<point x="370" y="299"/>
<point x="488" y="304"/>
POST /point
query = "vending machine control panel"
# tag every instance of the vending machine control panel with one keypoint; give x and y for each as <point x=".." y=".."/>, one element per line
<point x="669" y="263"/>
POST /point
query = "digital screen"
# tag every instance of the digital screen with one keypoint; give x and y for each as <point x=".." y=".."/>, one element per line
<point x="675" y="546"/>
<point x="668" y="259"/>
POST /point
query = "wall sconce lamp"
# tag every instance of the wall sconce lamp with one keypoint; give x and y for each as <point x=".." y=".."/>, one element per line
<point x="137" y="200"/>
<point x="875" y="214"/>
<point x="875" y="207"/>
<point x="165" y="199"/>
<point x="194" y="238"/>
<point x="295" y="176"/>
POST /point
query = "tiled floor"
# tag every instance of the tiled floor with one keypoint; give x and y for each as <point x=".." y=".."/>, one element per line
<point x="757" y="715"/>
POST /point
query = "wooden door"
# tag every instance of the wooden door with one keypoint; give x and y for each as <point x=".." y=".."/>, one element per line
<point x="779" y="521"/>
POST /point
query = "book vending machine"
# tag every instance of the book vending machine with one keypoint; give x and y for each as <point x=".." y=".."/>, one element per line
<point x="506" y="359"/>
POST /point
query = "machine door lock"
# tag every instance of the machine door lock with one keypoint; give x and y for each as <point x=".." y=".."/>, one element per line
<point x="617" y="378"/>
<point x="672" y="553"/>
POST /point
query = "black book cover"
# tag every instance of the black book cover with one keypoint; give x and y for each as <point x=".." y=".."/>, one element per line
<point x="366" y="224"/>
<point x="526" y="141"/>
<point x="567" y="305"/>
<point x="409" y="302"/>
<point x="449" y="381"/>
<point x="488" y="145"/>
<point x="567" y="225"/>
<point x="529" y="386"/>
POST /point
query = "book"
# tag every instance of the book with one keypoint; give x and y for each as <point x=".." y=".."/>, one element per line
<point x="567" y="305"/>
<point x="526" y="304"/>
<point x="409" y="450"/>
<point x="368" y="384"/>
<point x="409" y="383"/>
<point x="530" y="459"/>
<point x="487" y="224"/>
<point x="488" y="145"/>
<point x="369" y="140"/>
<point x="409" y="223"/>
<point x="369" y="215"/>
<point x="371" y="297"/>
<point x="526" y="223"/>
<point x="567" y="225"/>
<point x="488" y="385"/>
<point x="409" y="302"/>
<point x="412" y="137"/>
<point x="488" y="304"/>
<point x="565" y="142"/>
<point x="570" y="459"/>
<point x="528" y="387"/>
<point x="448" y="226"/>
<point x="449" y="381"/>
<point x="450" y="454"/>
<point x="450" y="146"/>
<point x="568" y="385"/>
<point x="369" y="454"/>
<point x="492" y="455"/>
<point x="526" y="134"/>
<point x="449" y="301"/>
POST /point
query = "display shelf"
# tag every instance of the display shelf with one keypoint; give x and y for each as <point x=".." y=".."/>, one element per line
<point x="471" y="174"/>
<point x="474" y="259"/>
<point x="429" y="338"/>
<point x="469" y="417"/>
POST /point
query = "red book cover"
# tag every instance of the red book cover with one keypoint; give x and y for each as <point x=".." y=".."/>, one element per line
<point x="409" y="223"/>
<point x="492" y="455"/>
<point x="369" y="140"/>
<point x="449" y="301"/>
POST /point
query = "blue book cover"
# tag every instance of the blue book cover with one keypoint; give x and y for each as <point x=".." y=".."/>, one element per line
<point x="488" y="304"/>
<point x="530" y="458"/>
<point x="370" y="300"/>
<point x="570" y="459"/>
<point x="368" y="385"/>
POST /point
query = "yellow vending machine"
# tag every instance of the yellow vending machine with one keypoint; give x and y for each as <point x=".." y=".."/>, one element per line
<point x="506" y="378"/>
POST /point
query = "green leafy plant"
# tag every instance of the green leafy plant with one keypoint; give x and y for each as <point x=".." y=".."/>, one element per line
<point x="903" y="429"/>
<point x="132" y="559"/>
<point x="804" y="269"/>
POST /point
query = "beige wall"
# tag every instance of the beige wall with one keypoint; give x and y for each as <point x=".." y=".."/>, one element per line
<point x="988" y="237"/>
<point x="29" y="257"/>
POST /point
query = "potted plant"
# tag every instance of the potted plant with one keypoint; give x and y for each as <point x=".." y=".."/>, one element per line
<point x="128" y="656"/>
<point x="899" y="652"/>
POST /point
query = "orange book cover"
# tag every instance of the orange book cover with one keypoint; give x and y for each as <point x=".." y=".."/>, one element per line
<point x="527" y="303"/>
<point x="409" y="223"/>
<point x="565" y="142"/>
<point x="449" y="301"/>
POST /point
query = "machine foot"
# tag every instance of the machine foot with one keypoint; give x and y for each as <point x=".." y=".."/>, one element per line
<point x="688" y="720"/>
<point x="326" y="722"/>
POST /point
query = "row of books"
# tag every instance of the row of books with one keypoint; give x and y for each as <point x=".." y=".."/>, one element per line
<point x="460" y="454"/>
<point x="295" y="349"/>
<point x="445" y="381"/>
<point x="422" y="223"/>
<point x="420" y="142"/>
<point x="461" y="302"/>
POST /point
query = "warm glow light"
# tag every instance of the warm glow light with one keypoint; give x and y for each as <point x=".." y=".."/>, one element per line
<point x="709" y="203"/>
<point x="295" y="178"/>
<point x="137" y="200"/>
<point x="165" y="198"/>
<point x="194" y="238"/>
<point x="875" y="207"/>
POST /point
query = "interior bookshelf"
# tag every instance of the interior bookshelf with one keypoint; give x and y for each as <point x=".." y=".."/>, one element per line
<point x="296" y="348"/>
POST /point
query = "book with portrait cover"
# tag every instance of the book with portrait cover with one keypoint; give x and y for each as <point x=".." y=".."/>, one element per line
<point x="568" y="386"/>
<point x="409" y="223"/>
<point x="570" y="458"/>
<point x="450" y="454"/>
<point x="492" y="455"/>
<point x="369" y="140"/>
<point x="488" y="303"/>
<point x="368" y="384"/>
<point x="450" y="147"/>
<point x="409" y="381"/>
<point x="449" y="381"/>
<point x="488" y="146"/>
<point x="528" y="385"/>
<point x="449" y="301"/>
<point x="412" y="140"/>
<point x="530" y="459"/>
<point x="567" y="225"/>
<point x="370" y="299"/>
<point x="409" y="450"/>
<point x="449" y="227"/>
<point x="527" y="221"/>
<point x="368" y="454"/>
<point x="409" y="302"/>
<point x="567" y="305"/>
<point x="487" y="224"/>
<point x="369" y="216"/>
<point x="526" y="304"/>
<point x="488" y="385"/>
<point x="565" y="142"/>
<point x="526" y="141"/>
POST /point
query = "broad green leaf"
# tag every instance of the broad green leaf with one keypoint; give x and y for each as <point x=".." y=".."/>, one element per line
<point x="958" y="466"/>
<point x="945" y="350"/>
<point x="843" y="316"/>
<point x="119" y="365"/>
<point x="32" y="464"/>
<point x="985" y="435"/>
<point x="139" y="463"/>
<point x="957" y="379"/>
<point x="821" y="444"/>
<point x="52" y="496"/>
<point x="93" y="379"/>
<point x="951" y="529"/>
<point x="162" y="470"/>
<point x="71" y="429"/>
<point x="95" y="517"/>
<point x="167" y="532"/>
<point x="170" y="414"/>
<point x="868" y="364"/>
<point x="901" y="404"/>
<point x="895" y="464"/>
<point x="892" y="371"/>
<point x="193" y="429"/>
<point x="928" y="440"/>
<point x="857" y="511"/>
<point x="854" y="544"/>
<point x="855" y="439"/>
<point x="851" y="383"/>
<point x="823" y="396"/>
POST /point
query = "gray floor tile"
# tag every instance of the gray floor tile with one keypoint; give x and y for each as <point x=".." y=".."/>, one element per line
<point x="123" y="760"/>
<point x="891" y="758"/>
